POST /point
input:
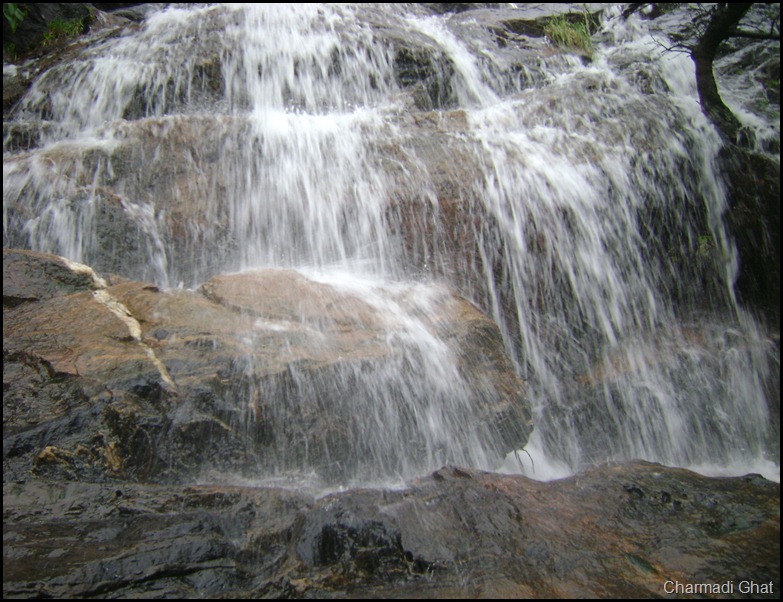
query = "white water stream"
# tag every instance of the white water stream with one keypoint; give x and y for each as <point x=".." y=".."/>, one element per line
<point x="599" y="247"/>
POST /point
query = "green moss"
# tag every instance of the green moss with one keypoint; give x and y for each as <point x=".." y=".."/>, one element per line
<point x="705" y="245"/>
<point x="60" y="29"/>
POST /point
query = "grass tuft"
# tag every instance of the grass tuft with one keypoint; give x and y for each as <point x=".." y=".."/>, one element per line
<point x="569" y="33"/>
<point x="60" y="29"/>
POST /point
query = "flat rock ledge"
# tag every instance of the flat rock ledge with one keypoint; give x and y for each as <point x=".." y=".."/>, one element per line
<point x="627" y="531"/>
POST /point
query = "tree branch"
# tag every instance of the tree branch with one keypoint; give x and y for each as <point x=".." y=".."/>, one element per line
<point x="755" y="35"/>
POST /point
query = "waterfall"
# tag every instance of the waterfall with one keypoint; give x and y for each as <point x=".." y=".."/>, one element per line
<point x="578" y="203"/>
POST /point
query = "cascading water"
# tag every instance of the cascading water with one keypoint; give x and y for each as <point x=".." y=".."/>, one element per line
<point x="589" y="218"/>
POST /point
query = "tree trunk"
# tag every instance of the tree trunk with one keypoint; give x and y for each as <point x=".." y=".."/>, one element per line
<point x="721" y="26"/>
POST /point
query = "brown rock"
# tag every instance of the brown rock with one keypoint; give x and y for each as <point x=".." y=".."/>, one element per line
<point x="275" y="371"/>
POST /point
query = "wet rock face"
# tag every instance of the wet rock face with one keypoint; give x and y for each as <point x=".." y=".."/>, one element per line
<point x="619" y="532"/>
<point x="177" y="158"/>
<point x="121" y="380"/>
<point x="427" y="75"/>
<point x="119" y="396"/>
<point x="163" y="181"/>
<point x="110" y="385"/>
<point x="754" y="219"/>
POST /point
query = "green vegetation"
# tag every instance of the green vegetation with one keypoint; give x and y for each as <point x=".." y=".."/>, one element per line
<point x="60" y="29"/>
<point x="572" y="32"/>
<point x="56" y="30"/>
<point x="705" y="245"/>
<point x="13" y="14"/>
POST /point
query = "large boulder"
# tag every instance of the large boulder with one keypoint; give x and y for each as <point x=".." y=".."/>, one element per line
<point x="260" y="372"/>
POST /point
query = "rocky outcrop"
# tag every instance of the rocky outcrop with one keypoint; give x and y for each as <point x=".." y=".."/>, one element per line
<point x="754" y="220"/>
<point x="135" y="415"/>
<point x="114" y="390"/>
<point x="119" y="379"/>
<point x="629" y="531"/>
